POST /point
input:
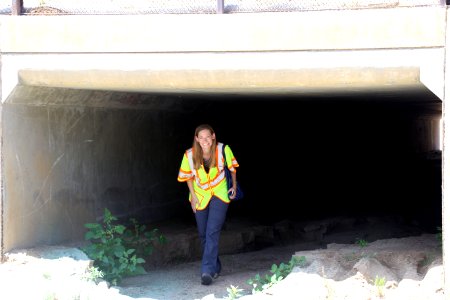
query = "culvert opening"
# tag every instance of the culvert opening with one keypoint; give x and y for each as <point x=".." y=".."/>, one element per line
<point x="316" y="170"/>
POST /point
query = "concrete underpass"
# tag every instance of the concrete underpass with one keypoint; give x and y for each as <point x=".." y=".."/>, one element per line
<point x="322" y="128"/>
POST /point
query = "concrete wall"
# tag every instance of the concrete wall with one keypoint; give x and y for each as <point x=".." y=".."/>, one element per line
<point x="66" y="158"/>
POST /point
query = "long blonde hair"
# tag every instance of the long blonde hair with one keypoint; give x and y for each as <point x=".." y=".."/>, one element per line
<point x="197" y="150"/>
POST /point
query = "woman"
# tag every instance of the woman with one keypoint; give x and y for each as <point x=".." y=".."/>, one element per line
<point x="202" y="168"/>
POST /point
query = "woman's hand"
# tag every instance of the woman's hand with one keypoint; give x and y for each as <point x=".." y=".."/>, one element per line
<point x="194" y="202"/>
<point x="232" y="192"/>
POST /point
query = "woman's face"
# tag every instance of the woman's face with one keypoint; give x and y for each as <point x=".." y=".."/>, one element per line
<point x="205" y="139"/>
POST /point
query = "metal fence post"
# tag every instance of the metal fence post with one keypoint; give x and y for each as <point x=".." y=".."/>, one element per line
<point x="16" y="7"/>
<point x="220" y="6"/>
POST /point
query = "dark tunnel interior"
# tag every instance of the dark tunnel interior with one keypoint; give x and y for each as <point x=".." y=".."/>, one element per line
<point x="306" y="159"/>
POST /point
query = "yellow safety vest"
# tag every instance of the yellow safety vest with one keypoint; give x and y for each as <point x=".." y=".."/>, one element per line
<point x="209" y="184"/>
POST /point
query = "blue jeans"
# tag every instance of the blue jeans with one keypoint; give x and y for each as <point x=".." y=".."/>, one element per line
<point x="209" y="225"/>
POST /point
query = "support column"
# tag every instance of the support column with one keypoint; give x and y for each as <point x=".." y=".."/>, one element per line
<point x="446" y="165"/>
<point x="1" y="167"/>
<point x="220" y="6"/>
<point x="17" y="7"/>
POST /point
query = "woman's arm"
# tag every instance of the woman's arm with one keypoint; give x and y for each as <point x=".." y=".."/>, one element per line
<point x="233" y="188"/>
<point x="194" y="199"/>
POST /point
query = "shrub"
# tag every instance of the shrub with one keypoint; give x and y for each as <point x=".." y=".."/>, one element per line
<point x="116" y="250"/>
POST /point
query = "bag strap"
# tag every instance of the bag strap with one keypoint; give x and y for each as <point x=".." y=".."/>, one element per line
<point x="224" y="156"/>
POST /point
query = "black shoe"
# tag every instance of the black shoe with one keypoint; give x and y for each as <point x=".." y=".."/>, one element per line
<point x="215" y="275"/>
<point x="206" y="279"/>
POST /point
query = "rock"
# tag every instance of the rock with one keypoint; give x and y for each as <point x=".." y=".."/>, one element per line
<point x="371" y="268"/>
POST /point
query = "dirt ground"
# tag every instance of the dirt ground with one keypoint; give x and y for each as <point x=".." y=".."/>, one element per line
<point x="183" y="281"/>
<point x="411" y="267"/>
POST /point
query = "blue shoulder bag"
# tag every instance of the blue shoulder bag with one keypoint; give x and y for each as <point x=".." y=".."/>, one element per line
<point x="229" y="179"/>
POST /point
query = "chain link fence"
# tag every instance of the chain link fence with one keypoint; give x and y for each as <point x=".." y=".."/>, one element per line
<point x="104" y="7"/>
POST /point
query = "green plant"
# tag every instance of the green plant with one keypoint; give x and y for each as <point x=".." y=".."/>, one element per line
<point x="278" y="273"/>
<point x="362" y="243"/>
<point x="93" y="274"/>
<point x="116" y="250"/>
<point x="141" y="239"/>
<point x="234" y="292"/>
<point x="379" y="283"/>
